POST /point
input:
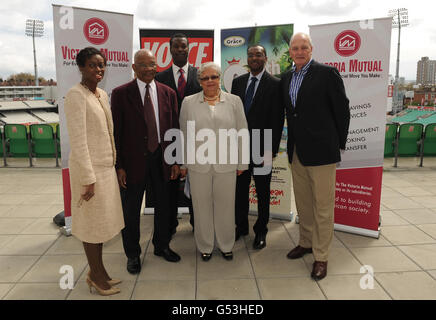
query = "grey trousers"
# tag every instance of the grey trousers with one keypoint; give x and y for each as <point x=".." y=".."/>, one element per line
<point x="213" y="199"/>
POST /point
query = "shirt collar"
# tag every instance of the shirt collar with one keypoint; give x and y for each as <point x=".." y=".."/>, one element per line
<point x="142" y="84"/>
<point x="259" y="76"/>
<point x="201" y="96"/>
<point x="185" y="69"/>
<point x="305" y="67"/>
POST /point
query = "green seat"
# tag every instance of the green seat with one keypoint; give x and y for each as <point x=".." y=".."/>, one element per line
<point x="58" y="138"/>
<point x="409" y="138"/>
<point x="43" y="142"/>
<point x="429" y="142"/>
<point x="16" y="140"/>
<point x="2" y="141"/>
<point x="390" y="138"/>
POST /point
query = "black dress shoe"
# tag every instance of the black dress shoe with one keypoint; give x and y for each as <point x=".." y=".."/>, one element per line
<point x="133" y="265"/>
<point x="259" y="241"/>
<point x="167" y="254"/>
<point x="238" y="234"/>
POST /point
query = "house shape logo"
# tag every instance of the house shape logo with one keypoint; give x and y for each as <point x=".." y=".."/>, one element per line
<point x="96" y="31"/>
<point x="347" y="42"/>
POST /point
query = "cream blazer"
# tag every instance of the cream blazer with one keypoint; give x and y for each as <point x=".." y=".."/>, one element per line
<point x="228" y="113"/>
<point x="90" y="129"/>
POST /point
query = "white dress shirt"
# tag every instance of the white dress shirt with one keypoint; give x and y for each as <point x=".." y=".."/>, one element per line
<point x="176" y="73"/>
<point x="256" y="85"/>
<point x="154" y="100"/>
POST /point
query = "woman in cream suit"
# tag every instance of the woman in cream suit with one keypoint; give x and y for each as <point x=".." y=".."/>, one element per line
<point x="213" y="180"/>
<point x="95" y="204"/>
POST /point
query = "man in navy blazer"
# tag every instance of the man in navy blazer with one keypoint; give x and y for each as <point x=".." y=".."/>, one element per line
<point x="318" y="117"/>
<point x="136" y="165"/>
<point x="264" y="111"/>
<point x="179" y="48"/>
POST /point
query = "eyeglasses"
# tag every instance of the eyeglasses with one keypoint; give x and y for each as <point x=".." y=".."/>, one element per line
<point x="210" y="78"/>
<point x="141" y="65"/>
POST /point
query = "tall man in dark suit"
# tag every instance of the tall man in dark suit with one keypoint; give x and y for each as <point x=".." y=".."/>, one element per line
<point x="260" y="93"/>
<point x="182" y="78"/>
<point x="143" y="110"/>
<point x="318" y="116"/>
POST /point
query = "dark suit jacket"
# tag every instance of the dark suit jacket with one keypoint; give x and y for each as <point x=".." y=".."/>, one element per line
<point x="318" y="125"/>
<point x="192" y="86"/>
<point x="266" y="111"/>
<point x="130" y="128"/>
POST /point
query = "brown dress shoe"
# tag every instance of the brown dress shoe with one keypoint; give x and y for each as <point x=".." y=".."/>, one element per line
<point x="298" y="252"/>
<point x="319" y="270"/>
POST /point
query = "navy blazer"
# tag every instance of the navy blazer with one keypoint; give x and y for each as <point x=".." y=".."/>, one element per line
<point x="318" y="124"/>
<point x="192" y="85"/>
<point x="266" y="111"/>
<point x="130" y="127"/>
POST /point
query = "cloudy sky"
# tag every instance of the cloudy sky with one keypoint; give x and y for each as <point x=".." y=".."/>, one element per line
<point x="16" y="53"/>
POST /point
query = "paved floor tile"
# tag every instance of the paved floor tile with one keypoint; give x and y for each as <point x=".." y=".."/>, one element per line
<point x="384" y="259"/>
<point x="233" y="289"/>
<point x="408" y="285"/>
<point x="424" y="255"/>
<point x="403" y="235"/>
<point x="164" y="290"/>
<point x="36" y="291"/>
<point x="301" y="288"/>
<point x="349" y="287"/>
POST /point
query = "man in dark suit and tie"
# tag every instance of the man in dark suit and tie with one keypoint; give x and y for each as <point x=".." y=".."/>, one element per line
<point x="260" y="93"/>
<point x="182" y="78"/>
<point x="143" y="110"/>
<point x="318" y="117"/>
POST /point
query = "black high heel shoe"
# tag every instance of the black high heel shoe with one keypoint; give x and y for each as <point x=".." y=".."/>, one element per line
<point x="206" y="256"/>
<point x="227" y="255"/>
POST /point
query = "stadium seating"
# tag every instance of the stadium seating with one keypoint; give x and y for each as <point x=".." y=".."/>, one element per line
<point x="409" y="139"/>
<point x="390" y="139"/>
<point x="429" y="141"/>
<point x="17" y="142"/>
<point x="43" y="141"/>
<point x="58" y="139"/>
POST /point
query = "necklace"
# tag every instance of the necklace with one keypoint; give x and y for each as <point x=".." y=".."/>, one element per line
<point x="212" y="98"/>
<point x="94" y="93"/>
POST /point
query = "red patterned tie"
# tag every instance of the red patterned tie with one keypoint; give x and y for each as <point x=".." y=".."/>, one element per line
<point x="181" y="84"/>
<point x="150" y="119"/>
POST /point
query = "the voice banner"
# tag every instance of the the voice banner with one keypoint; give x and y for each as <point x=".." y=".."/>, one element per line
<point x="234" y="45"/>
<point x="75" y="29"/>
<point x="157" y="40"/>
<point x="360" y="50"/>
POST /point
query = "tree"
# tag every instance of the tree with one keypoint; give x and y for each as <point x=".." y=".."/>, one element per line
<point x="25" y="77"/>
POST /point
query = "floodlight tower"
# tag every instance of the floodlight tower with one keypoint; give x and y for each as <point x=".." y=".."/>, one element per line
<point x="35" y="28"/>
<point x="400" y="18"/>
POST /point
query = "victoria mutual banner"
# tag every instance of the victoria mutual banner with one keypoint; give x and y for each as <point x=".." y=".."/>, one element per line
<point x="234" y="45"/>
<point x="75" y="29"/>
<point x="360" y="50"/>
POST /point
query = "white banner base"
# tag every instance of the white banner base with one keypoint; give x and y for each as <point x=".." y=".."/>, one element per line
<point x="359" y="231"/>
<point x="66" y="230"/>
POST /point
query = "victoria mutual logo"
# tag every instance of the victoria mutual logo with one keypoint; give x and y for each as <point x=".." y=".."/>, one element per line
<point x="96" y="31"/>
<point x="347" y="43"/>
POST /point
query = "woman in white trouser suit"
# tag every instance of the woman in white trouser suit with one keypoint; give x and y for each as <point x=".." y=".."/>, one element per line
<point x="213" y="180"/>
